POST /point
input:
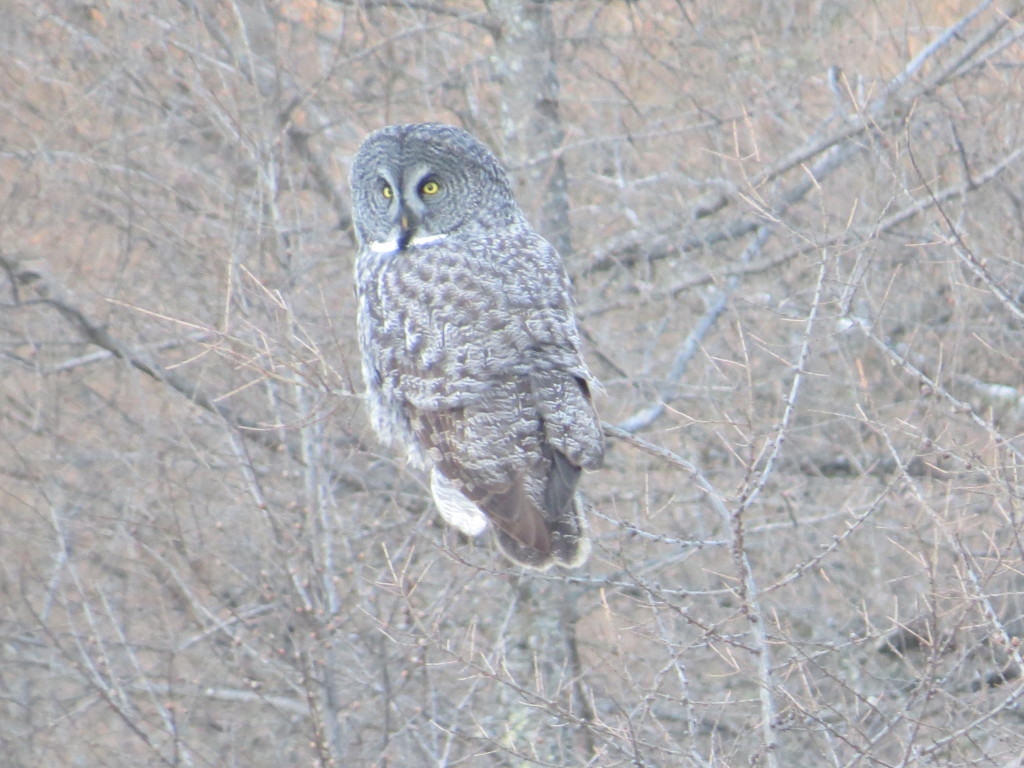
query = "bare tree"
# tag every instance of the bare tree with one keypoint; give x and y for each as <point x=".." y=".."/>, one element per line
<point x="795" y="234"/>
<point x="526" y="50"/>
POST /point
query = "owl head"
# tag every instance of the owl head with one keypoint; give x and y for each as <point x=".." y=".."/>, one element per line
<point x="416" y="184"/>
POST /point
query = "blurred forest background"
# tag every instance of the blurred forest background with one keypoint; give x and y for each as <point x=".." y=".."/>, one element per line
<point x="795" y="229"/>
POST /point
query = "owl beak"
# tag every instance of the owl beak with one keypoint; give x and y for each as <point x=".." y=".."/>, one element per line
<point x="405" y="228"/>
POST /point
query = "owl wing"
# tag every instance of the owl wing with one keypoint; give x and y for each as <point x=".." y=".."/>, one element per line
<point x="516" y="440"/>
<point x="496" y="394"/>
<point x="570" y="421"/>
<point x="559" y="376"/>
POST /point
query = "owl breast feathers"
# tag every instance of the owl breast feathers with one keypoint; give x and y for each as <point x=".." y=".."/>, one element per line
<point x="470" y="350"/>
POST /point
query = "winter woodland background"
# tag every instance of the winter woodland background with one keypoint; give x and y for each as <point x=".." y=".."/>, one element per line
<point x="795" y="228"/>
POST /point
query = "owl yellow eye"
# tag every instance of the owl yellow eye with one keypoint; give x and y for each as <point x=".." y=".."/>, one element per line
<point x="430" y="187"/>
<point x="387" y="191"/>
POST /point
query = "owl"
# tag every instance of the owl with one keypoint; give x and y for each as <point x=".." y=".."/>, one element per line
<point x="470" y="351"/>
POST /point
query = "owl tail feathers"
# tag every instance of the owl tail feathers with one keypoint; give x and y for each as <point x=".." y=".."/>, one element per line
<point x="527" y="537"/>
<point x="563" y="542"/>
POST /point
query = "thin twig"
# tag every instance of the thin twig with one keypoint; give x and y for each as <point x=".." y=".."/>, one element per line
<point x="789" y="410"/>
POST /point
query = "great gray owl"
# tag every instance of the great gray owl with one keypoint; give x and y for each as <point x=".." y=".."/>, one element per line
<point x="469" y="344"/>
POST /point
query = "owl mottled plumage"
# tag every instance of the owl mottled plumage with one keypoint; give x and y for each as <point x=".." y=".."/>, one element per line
<point x="470" y="350"/>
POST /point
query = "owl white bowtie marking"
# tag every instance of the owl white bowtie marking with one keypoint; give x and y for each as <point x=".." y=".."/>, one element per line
<point x="470" y="352"/>
<point x="390" y="246"/>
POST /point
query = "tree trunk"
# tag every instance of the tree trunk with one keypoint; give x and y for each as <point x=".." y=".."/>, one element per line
<point x="526" y="66"/>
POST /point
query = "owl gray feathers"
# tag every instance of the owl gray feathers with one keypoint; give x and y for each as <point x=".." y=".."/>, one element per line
<point x="470" y="351"/>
